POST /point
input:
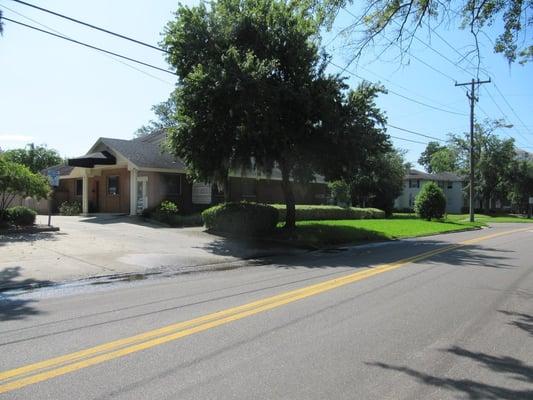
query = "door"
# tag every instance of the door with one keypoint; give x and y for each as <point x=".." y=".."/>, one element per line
<point x="142" y="193"/>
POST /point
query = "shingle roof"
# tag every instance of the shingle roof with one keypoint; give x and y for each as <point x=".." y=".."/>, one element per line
<point x="144" y="154"/>
<point x="442" y="176"/>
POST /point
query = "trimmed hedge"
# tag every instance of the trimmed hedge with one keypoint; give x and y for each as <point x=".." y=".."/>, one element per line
<point x="315" y="212"/>
<point x="21" y="216"/>
<point x="241" y="218"/>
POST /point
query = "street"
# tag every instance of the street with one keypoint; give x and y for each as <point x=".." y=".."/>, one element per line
<point x="441" y="317"/>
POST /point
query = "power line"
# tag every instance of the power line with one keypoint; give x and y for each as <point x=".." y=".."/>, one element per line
<point x="92" y="26"/>
<point x="106" y="55"/>
<point x="344" y="69"/>
<point x="510" y="107"/>
<point x="416" y="133"/>
<point x="463" y="69"/>
<point x="408" y="140"/>
<point x="88" y="45"/>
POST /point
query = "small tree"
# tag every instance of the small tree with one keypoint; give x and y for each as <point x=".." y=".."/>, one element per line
<point x="18" y="180"/>
<point x="430" y="202"/>
<point x="340" y="193"/>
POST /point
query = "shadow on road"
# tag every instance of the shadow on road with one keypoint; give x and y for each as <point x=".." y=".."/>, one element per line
<point x="512" y="367"/>
<point x="11" y="307"/>
<point x="522" y="321"/>
<point x="469" y="388"/>
<point x="29" y="237"/>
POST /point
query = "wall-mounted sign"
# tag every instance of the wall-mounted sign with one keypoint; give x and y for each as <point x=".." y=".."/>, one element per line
<point x="53" y="178"/>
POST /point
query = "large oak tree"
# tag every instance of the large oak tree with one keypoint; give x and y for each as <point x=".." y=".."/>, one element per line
<point x="253" y="94"/>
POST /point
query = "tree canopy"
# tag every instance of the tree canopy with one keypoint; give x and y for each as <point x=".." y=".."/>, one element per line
<point x="17" y="179"/>
<point x="253" y="94"/>
<point x="499" y="175"/>
<point x="396" y="22"/>
<point x="379" y="180"/>
<point x="36" y="158"/>
<point x="427" y="154"/>
<point x="164" y="112"/>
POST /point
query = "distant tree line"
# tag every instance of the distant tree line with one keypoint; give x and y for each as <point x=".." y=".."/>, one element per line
<point x="500" y="176"/>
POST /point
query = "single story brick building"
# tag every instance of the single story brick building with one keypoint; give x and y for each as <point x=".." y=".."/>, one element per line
<point x="128" y="176"/>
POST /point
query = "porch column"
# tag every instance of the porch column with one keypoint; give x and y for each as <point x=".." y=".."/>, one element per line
<point x="133" y="191"/>
<point x="85" y="194"/>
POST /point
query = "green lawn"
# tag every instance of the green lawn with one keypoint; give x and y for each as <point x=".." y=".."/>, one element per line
<point x="489" y="219"/>
<point x="334" y="232"/>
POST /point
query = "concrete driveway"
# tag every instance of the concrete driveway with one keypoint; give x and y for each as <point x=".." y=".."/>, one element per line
<point x="103" y="245"/>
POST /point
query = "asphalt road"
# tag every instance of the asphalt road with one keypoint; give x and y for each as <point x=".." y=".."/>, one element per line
<point x="447" y="322"/>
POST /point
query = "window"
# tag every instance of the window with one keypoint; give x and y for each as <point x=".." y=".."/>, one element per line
<point x="79" y="187"/>
<point x="171" y="184"/>
<point x="414" y="183"/>
<point x="112" y="185"/>
<point x="450" y="185"/>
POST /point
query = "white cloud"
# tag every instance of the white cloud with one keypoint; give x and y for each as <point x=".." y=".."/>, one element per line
<point x="16" y="138"/>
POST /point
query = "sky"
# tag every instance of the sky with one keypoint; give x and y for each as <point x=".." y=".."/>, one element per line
<point x="66" y="96"/>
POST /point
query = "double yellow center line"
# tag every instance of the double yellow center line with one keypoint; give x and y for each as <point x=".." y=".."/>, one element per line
<point x="41" y="371"/>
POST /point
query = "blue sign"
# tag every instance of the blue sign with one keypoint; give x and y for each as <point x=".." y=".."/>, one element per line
<point x="53" y="178"/>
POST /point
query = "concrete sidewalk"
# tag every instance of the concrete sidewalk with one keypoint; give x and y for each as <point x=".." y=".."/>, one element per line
<point x="111" y="245"/>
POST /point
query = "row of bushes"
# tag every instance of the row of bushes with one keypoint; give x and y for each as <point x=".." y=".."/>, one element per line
<point x="313" y="212"/>
<point x="253" y="218"/>
<point x="19" y="215"/>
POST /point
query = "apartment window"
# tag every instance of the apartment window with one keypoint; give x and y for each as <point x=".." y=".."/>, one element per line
<point x="112" y="185"/>
<point x="79" y="187"/>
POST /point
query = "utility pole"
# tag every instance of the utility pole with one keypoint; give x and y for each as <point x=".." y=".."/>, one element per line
<point x="473" y="98"/>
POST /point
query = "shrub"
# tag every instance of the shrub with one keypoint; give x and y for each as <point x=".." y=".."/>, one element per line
<point x="70" y="208"/>
<point x="340" y="193"/>
<point x="316" y="212"/>
<point x="168" y="208"/>
<point x="17" y="179"/>
<point x="430" y="202"/>
<point x="241" y="218"/>
<point x="4" y="219"/>
<point x="21" y="216"/>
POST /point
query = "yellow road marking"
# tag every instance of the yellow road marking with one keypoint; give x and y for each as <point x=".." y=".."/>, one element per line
<point x="44" y="370"/>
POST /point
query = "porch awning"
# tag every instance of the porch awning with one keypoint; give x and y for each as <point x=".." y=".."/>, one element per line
<point x="90" y="160"/>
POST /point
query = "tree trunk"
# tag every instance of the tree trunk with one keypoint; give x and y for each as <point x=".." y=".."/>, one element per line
<point x="286" y="186"/>
<point x="227" y="196"/>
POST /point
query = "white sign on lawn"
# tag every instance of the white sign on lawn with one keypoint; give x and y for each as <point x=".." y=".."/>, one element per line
<point x="201" y="193"/>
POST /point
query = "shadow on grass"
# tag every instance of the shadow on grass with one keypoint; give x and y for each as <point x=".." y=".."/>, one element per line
<point x="319" y="235"/>
<point x="512" y="368"/>
<point x="11" y="307"/>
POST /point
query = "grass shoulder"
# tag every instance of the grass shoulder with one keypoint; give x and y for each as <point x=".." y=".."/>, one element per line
<point x="336" y="232"/>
